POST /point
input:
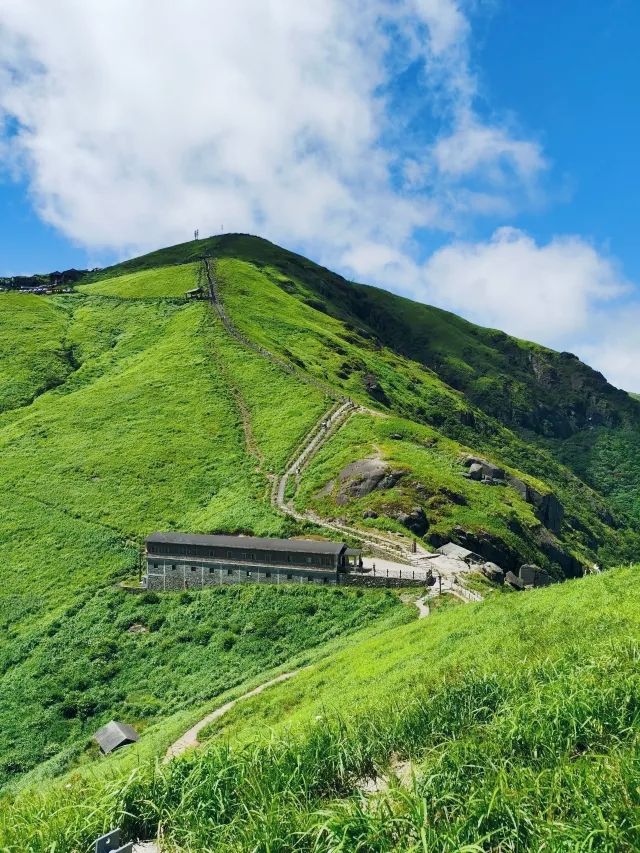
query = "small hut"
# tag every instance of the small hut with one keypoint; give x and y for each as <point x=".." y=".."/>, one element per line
<point x="457" y="552"/>
<point x="115" y="735"/>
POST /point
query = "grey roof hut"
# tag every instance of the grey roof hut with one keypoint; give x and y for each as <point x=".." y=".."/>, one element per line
<point x="115" y="735"/>
<point x="459" y="553"/>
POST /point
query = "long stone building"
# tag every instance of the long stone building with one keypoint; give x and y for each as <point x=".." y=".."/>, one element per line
<point x="192" y="561"/>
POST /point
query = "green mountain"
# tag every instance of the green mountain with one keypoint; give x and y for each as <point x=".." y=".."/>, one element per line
<point x="126" y="408"/>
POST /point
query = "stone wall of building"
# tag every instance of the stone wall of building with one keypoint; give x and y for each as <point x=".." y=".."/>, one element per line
<point x="162" y="577"/>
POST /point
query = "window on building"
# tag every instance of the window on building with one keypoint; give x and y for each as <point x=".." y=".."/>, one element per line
<point x="211" y="570"/>
<point x="194" y="568"/>
<point x="173" y="567"/>
<point x="229" y="571"/>
<point x="267" y="574"/>
<point x="155" y="565"/>
<point x="309" y="577"/>
<point x="248" y="574"/>
<point x="289" y="577"/>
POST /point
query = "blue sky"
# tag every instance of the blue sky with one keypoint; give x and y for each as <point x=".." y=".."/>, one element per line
<point x="476" y="155"/>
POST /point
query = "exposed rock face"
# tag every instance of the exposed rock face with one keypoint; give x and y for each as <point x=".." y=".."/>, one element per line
<point x="514" y="581"/>
<point x="547" y="507"/>
<point x="369" y="513"/>
<point x="486" y="469"/>
<point x="361" y="478"/>
<point x="374" y="389"/>
<point x="550" y="547"/>
<point x="415" y="521"/>
<point x="493" y="572"/>
<point x="475" y="471"/>
<point x="532" y="575"/>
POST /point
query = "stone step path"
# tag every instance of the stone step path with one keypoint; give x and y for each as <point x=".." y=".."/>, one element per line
<point x="423" y="607"/>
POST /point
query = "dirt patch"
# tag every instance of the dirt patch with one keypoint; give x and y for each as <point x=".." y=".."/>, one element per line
<point x="400" y="772"/>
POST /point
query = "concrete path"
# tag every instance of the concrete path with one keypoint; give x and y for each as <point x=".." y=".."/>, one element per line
<point x="423" y="608"/>
<point x="190" y="738"/>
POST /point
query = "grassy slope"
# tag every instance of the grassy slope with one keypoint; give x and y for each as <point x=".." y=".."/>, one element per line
<point x="88" y="668"/>
<point x="172" y="281"/>
<point x="277" y="311"/>
<point x="162" y="421"/>
<point x="33" y="355"/>
<point x="145" y="434"/>
<point x="432" y="479"/>
<point x="551" y="399"/>
<point x="522" y="745"/>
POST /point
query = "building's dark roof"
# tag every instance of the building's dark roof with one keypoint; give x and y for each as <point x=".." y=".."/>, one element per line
<point x="115" y="734"/>
<point x="305" y="546"/>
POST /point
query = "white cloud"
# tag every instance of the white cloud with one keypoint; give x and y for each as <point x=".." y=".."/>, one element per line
<point x="612" y="345"/>
<point x="473" y="147"/>
<point x="565" y="293"/>
<point x="545" y="293"/>
<point x="140" y="121"/>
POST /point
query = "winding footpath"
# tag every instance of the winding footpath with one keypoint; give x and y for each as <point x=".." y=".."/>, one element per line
<point x="190" y="738"/>
<point x="400" y="553"/>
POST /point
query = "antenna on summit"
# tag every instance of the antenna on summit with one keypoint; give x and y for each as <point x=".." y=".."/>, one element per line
<point x="196" y="234"/>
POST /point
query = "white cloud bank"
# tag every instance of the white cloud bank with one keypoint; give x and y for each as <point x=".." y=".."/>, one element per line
<point x="137" y="122"/>
<point x="564" y="294"/>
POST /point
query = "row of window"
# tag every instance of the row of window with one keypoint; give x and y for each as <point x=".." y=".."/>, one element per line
<point x="212" y="571"/>
<point x="245" y="556"/>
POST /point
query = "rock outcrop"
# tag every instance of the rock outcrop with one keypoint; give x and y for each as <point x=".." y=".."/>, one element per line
<point x="415" y="521"/>
<point x="374" y="389"/>
<point x="493" y="572"/>
<point x="547" y="507"/>
<point x="514" y="581"/>
<point x="532" y="575"/>
<point x="361" y="478"/>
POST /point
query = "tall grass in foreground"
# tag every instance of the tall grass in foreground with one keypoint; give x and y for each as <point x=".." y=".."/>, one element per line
<point x="546" y="758"/>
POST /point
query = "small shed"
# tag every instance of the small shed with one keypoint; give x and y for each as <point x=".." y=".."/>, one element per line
<point x="115" y="735"/>
<point x="196" y="293"/>
<point x="457" y="552"/>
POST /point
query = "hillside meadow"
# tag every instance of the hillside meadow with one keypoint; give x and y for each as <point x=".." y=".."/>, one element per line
<point x="143" y="429"/>
<point x="144" y="657"/>
<point x="124" y="408"/>
<point x="521" y="745"/>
